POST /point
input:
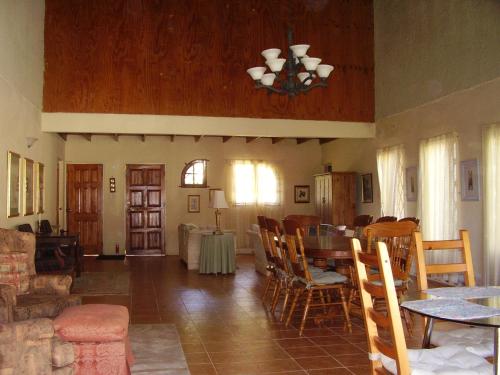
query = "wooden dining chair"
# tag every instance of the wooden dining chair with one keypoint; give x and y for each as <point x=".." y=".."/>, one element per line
<point x="270" y="267"/>
<point x="322" y="290"/>
<point x="284" y="275"/>
<point x="309" y="223"/>
<point x="386" y="219"/>
<point x="388" y="352"/>
<point x="362" y="220"/>
<point x="480" y="339"/>
<point x="409" y="218"/>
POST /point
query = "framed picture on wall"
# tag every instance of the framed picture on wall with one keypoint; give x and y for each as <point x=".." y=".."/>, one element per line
<point x="469" y="172"/>
<point x="13" y="184"/>
<point x="40" y="188"/>
<point x="193" y="203"/>
<point x="366" y="188"/>
<point x="28" y="187"/>
<point x="302" y="193"/>
<point x="411" y="184"/>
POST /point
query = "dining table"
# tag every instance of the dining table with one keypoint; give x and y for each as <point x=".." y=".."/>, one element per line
<point x="471" y="306"/>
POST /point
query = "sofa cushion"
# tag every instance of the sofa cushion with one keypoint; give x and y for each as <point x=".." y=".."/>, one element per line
<point x="93" y="323"/>
<point x="20" y="280"/>
<point x="13" y="262"/>
<point x="62" y="352"/>
<point x="32" y="306"/>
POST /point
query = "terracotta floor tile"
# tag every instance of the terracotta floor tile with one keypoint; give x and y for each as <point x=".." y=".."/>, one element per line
<point x="294" y="342"/>
<point x="202" y="369"/>
<point x="311" y="363"/>
<point x="353" y="359"/>
<point x="342" y="349"/>
<point x="332" y="371"/>
<point x="305" y="351"/>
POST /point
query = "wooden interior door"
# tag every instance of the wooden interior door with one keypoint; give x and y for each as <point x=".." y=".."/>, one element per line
<point x="145" y="209"/>
<point x="323" y="197"/>
<point x="344" y="198"/>
<point x="84" y="204"/>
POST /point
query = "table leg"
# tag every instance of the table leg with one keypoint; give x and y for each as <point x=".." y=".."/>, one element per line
<point x="496" y="355"/>
<point x="426" y="342"/>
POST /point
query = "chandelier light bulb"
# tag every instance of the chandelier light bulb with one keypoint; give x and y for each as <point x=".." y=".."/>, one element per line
<point x="300" y="50"/>
<point x="271" y="53"/>
<point x="310" y="63"/>
<point x="268" y="79"/>
<point x="257" y="72"/>
<point x="324" y="70"/>
<point x="275" y="64"/>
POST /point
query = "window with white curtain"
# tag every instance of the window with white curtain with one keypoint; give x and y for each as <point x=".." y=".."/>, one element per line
<point x="491" y="183"/>
<point x="438" y="193"/>
<point x="255" y="183"/>
<point x="390" y="166"/>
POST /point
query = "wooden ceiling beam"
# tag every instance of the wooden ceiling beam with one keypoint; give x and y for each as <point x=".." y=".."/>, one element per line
<point x="172" y="137"/>
<point x="275" y="140"/>
<point x="87" y="136"/>
<point x="226" y="138"/>
<point x="143" y="137"/>
<point x="302" y="140"/>
<point x="250" y="139"/>
<point x="197" y="138"/>
<point x="116" y="137"/>
<point x="322" y="141"/>
<point x="64" y="136"/>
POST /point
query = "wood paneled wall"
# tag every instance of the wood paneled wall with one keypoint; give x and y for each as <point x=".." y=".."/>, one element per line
<point x="189" y="57"/>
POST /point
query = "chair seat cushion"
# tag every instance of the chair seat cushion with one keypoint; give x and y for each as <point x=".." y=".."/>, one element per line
<point x="324" y="278"/>
<point x="33" y="306"/>
<point x="397" y="282"/>
<point x="93" y="323"/>
<point x="476" y="340"/>
<point x="445" y="360"/>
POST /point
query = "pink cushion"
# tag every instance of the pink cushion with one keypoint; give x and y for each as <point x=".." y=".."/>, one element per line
<point x="92" y="323"/>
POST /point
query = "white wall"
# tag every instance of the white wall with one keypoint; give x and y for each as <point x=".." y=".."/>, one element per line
<point x="21" y="82"/>
<point x="428" y="49"/>
<point x="298" y="163"/>
<point x="464" y="112"/>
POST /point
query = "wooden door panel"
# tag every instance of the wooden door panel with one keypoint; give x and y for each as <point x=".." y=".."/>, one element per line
<point x="145" y="209"/>
<point x="84" y="204"/>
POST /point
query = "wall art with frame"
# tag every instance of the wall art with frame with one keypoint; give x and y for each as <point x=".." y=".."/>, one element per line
<point x="40" y="188"/>
<point x="28" y="187"/>
<point x="13" y="184"/>
<point x="193" y="203"/>
<point x="302" y="193"/>
<point x="469" y="173"/>
<point x="366" y="188"/>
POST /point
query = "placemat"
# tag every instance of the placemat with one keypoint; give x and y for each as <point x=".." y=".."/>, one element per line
<point x="465" y="292"/>
<point x="451" y="308"/>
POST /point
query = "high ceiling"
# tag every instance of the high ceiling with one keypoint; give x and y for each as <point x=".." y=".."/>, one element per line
<point x="189" y="57"/>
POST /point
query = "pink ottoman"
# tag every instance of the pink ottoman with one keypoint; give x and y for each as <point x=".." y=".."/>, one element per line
<point x="99" y="334"/>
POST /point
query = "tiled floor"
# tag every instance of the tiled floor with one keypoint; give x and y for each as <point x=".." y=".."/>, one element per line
<point x="224" y="327"/>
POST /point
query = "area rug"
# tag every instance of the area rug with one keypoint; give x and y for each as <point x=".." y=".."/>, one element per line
<point x="157" y="349"/>
<point x="101" y="283"/>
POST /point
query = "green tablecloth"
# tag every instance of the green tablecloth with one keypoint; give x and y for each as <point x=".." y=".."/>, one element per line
<point x="217" y="253"/>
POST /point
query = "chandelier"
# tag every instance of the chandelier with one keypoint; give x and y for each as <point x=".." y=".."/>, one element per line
<point x="300" y="73"/>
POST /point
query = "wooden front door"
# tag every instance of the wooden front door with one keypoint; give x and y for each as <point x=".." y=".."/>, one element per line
<point x="145" y="209"/>
<point x="84" y="204"/>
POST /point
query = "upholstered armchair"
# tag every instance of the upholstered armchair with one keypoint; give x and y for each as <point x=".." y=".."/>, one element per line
<point x="24" y="294"/>
<point x="30" y="347"/>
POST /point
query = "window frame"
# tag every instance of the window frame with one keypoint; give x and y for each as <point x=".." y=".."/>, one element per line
<point x="187" y="167"/>
<point x="255" y="167"/>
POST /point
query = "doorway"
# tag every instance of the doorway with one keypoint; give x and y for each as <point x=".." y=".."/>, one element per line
<point x="84" y="204"/>
<point x="145" y="209"/>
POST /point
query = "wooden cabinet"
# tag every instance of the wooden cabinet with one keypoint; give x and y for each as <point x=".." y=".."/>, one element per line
<point x="335" y="197"/>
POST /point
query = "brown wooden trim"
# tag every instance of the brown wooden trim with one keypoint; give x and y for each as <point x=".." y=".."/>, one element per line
<point x="225" y="139"/>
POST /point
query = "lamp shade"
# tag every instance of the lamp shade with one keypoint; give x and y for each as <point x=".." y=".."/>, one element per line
<point x="218" y="200"/>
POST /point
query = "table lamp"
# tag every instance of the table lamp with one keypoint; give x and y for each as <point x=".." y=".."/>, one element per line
<point x="218" y="202"/>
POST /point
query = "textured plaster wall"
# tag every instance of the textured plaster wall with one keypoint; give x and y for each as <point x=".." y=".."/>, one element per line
<point x="428" y="49"/>
<point x="21" y="81"/>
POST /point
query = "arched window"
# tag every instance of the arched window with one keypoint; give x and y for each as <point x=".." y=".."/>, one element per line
<point x="194" y="174"/>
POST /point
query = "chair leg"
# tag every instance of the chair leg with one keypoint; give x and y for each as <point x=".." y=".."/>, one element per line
<point x="285" y="302"/>
<point x="268" y="286"/>
<point x="323" y="301"/>
<point x="346" y="311"/>
<point x="306" y="311"/>
<point x="298" y="293"/>
<point x="408" y="321"/>
<point x="276" y="296"/>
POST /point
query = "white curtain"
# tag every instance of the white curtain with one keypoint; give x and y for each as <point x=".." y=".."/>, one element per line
<point x="254" y="188"/>
<point x="491" y="183"/>
<point x="390" y="166"/>
<point x="438" y="193"/>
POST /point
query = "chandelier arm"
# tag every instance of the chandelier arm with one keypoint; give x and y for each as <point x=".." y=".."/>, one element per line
<point x="270" y="88"/>
<point x="310" y="87"/>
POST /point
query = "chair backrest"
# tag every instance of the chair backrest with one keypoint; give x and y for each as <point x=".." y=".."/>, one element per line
<point x="414" y="219"/>
<point x="45" y="226"/>
<point x="362" y="220"/>
<point x="26" y="228"/>
<point x="395" y="345"/>
<point x="386" y="219"/>
<point x="398" y="237"/>
<point x="295" y="249"/>
<point x="424" y="268"/>
<point x="265" y="238"/>
<point x="274" y="238"/>
<point x="306" y="222"/>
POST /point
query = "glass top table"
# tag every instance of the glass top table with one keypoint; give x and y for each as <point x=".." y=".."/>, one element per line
<point x="492" y="322"/>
